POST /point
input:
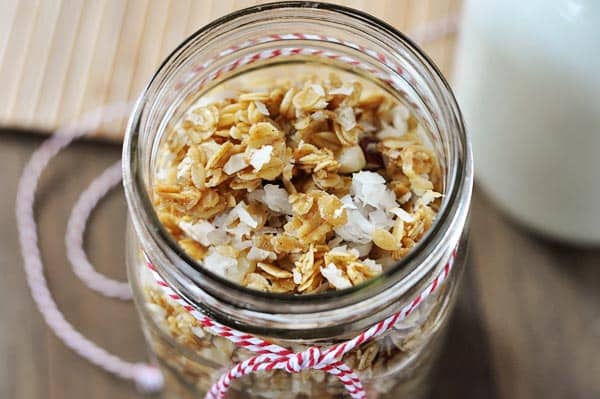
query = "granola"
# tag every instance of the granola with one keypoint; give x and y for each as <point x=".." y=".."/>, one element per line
<point x="300" y="187"/>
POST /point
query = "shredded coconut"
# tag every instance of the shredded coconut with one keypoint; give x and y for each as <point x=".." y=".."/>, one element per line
<point x="261" y="107"/>
<point x="343" y="90"/>
<point x="261" y="157"/>
<point x="220" y="264"/>
<point x="276" y="198"/>
<point x="198" y="231"/>
<point x="335" y="277"/>
<point x="370" y="188"/>
<point x="184" y="168"/>
<point x="403" y="215"/>
<point x="235" y="163"/>
<point x="245" y="216"/>
<point x="428" y="197"/>
<point x="257" y="254"/>
<point x="346" y="117"/>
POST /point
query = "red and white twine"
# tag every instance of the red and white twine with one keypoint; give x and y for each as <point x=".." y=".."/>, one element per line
<point x="268" y="356"/>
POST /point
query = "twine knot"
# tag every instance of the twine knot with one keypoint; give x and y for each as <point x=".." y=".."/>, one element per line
<point x="307" y="359"/>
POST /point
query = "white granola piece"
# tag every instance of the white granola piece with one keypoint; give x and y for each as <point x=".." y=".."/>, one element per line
<point x="277" y="199"/>
<point x="343" y="90"/>
<point x="362" y="249"/>
<point x="335" y="277"/>
<point x="373" y="266"/>
<point x="184" y="168"/>
<point x="357" y="229"/>
<point x="240" y="245"/>
<point x="198" y="331"/>
<point x="274" y="197"/>
<point x="261" y="107"/>
<point x="400" y="115"/>
<point x="318" y="89"/>
<point x="428" y="197"/>
<point x="403" y="215"/>
<point x="346" y="118"/>
<point x="241" y="211"/>
<point x="343" y="250"/>
<point x="258" y="254"/>
<point x="221" y="265"/>
<point x="370" y="188"/>
<point x="210" y="148"/>
<point x="318" y="116"/>
<point x="261" y="157"/>
<point x="405" y="198"/>
<point x="390" y="132"/>
<point x="204" y="232"/>
<point x="380" y="219"/>
<point x="235" y="163"/>
<point x="216" y="97"/>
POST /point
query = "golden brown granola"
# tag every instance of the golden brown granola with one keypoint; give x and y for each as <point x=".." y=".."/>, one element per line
<point x="298" y="188"/>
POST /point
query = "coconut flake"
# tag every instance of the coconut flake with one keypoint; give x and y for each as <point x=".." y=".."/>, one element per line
<point x="318" y="89"/>
<point x="297" y="276"/>
<point x="210" y="148"/>
<point x="245" y="216"/>
<point x="391" y="132"/>
<point x="220" y="264"/>
<point x="261" y="157"/>
<point x="348" y="203"/>
<point x="184" y="168"/>
<point x="362" y="249"/>
<point x="235" y="163"/>
<point x="370" y="188"/>
<point x="405" y="198"/>
<point x="198" y="331"/>
<point x="261" y="107"/>
<point x="274" y="197"/>
<point x="216" y="97"/>
<point x="240" y="245"/>
<point x="343" y="90"/>
<point x="277" y="199"/>
<point x="428" y="197"/>
<point x="357" y="229"/>
<point x="343" y="250"/>
<point x="346" y="118"/>
<point x="335" y="277"/>
<point x="257" y="254"/>
<point x="380" y="220"/>
<point x="373" y="266"/>
<point x="400" y="115"/>
<point x="198" y="231"/>
<point x="403" y="215"/>
<point x="318" y="116"/>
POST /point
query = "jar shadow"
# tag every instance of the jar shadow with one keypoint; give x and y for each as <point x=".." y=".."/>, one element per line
<point x="464" y="368"/>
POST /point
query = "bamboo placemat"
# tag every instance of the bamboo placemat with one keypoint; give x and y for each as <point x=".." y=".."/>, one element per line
<point x="61" y="58"/>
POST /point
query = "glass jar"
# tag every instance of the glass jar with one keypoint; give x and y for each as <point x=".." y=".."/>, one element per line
<point x="265" y="40"/>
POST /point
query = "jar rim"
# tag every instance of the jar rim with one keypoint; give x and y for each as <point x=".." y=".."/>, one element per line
<point x="460" y="181"/>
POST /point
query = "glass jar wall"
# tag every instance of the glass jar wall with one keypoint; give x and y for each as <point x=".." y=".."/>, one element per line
<point x="261" y="43"/>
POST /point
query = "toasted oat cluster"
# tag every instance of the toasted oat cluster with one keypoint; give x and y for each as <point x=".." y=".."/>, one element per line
<point x="302" y="187"/>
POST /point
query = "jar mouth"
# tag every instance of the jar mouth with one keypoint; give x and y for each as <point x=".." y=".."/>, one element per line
<point x="410" y="269"/>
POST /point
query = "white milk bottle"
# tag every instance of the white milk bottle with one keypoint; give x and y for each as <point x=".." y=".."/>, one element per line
<point x="527" y="77"/>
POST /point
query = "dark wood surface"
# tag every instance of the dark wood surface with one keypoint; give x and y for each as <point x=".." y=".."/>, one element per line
<point x="527" y="323"/>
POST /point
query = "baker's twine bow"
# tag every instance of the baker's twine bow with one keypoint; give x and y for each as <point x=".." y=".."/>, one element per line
<point x="270" y="356"/>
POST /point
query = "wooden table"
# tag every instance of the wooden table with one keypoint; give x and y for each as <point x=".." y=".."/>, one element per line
<point x="527" y="323"/>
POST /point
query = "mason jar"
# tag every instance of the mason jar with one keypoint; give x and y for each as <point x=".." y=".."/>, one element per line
<point x="262" y="42"/>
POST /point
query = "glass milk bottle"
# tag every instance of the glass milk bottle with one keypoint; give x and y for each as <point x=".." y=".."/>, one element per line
<point x="528" y="81"/>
